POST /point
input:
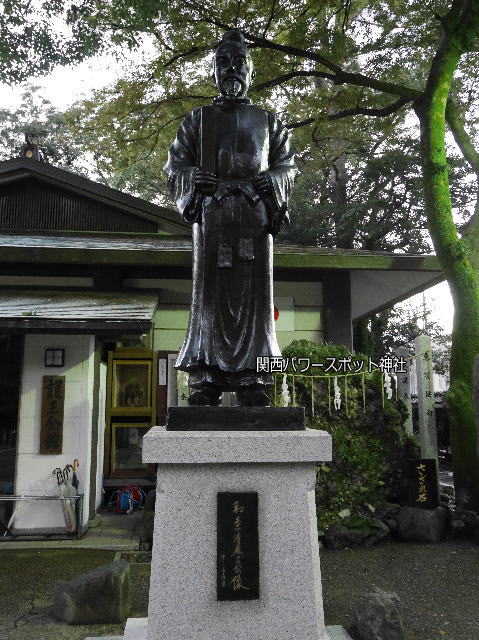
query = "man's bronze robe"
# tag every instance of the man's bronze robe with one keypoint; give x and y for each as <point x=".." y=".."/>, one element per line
<point x="231" y="318"/>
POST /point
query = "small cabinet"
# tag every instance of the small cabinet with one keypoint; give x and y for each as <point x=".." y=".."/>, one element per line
<point x="130" y="411"/>
<point x="131" y="392"/>
<point x="126" y="448"/>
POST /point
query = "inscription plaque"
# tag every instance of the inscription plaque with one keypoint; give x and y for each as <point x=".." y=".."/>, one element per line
<point x="237" y="546"/>
<point x="51" y="423"/>
<point x="422" y="481"/>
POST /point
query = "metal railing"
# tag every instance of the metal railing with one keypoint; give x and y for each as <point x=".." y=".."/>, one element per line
<point x="78" y="523"/>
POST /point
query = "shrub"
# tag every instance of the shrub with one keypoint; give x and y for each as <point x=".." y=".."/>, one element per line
<point x="370" y="445"/>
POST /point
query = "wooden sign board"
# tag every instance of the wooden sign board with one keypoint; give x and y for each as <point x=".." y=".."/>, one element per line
<point x="422" y="482"/>
<point x="51" y="425"/>
<point x="237" y="546"/>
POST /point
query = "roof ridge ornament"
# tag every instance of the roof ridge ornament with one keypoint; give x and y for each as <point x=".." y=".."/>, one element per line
<point x="31" y="150"/>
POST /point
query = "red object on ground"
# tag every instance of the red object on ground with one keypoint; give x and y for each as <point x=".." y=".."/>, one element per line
<point x="276" y="313"/>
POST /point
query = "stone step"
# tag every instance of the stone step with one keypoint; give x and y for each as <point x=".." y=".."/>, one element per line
<point x="137" y="631"/>
<point x="336" y="632"/>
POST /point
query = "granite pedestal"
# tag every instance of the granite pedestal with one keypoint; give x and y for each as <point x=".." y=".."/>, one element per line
<point x="193" y="466"/>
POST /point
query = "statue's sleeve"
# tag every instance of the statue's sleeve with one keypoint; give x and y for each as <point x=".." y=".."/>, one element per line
<point x="282" y="171"/>
<point x="181" y="166"/>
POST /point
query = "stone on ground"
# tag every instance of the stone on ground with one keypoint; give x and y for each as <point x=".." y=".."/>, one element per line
<point x="377" y="616"/>
<point x="468" y="518"/>
<point x="342" y="536"/>
<point x="422" y="525"/>
<point x="100" y="596"/>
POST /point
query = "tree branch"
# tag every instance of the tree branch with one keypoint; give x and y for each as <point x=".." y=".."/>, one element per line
<point x="385" y="111"/>
<point x="270" y="19"/>
<point x="301" y="123"/>
<point x="461" y="137"/>
<point x="360" y="80"/>
<point x="185" y="54"/>
<point x="293" y="74"/>
<point x="238" y="7"/>
<point x="340" y="76"/>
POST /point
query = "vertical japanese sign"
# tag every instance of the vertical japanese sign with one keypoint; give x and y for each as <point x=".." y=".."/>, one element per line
<point x="237" y="546"/>
<point x="403" y="381"/>
<point x="51" y="426"/>
<point x="422" y="483"/>
<point x="425" y="397"/>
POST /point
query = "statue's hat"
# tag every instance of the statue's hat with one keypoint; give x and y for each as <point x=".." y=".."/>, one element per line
<point x="232" y="37"/>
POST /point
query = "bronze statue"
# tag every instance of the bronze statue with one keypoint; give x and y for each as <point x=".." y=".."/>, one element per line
<point x="231" y="171"/>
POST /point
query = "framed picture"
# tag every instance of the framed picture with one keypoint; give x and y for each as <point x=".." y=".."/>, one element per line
<point x="131" y="390"/>
<point x="127" y="446"/>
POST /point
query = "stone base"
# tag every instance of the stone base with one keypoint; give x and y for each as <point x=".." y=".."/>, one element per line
<point x="137" y="629"/>
<point x="235" y="418"/>
<point x="193" y="467"/>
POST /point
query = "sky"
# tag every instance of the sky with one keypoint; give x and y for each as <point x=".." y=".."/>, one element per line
<point x="66" y="85"/>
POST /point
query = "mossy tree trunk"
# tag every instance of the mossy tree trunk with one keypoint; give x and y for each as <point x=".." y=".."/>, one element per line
<point x="456" y="255"/>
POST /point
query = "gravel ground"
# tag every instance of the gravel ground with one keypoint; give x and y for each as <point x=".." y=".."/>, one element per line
<point x="438" y="585"/>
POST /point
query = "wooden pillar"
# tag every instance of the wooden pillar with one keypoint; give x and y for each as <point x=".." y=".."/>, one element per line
<point x="337" y="308"/>
<point x="96" y="424"/>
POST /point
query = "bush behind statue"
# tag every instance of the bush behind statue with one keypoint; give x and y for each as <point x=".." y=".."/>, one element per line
<point x="370" y="445"/>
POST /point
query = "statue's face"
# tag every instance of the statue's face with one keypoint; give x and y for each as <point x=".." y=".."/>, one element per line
<point x="233" y="71"/>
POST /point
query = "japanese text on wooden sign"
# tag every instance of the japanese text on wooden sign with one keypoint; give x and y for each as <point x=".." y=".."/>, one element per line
<point x="51" y="426"/>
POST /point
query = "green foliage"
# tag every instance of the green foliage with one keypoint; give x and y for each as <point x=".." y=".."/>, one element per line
<point x="370" y="445"/>
<point x="47" y="128"/>
<point x="360" y="523"/>
<point x="384" y="207"/>
<point x="400" y="326"/>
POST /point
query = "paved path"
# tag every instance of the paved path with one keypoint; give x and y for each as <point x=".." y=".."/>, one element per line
<point x="115" y="532"/>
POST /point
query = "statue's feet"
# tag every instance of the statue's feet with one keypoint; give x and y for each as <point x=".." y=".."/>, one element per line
<point x="206" y="396"/>
<point x="251" y="396"/>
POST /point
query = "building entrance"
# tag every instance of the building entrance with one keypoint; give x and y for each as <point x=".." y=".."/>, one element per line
<point x="11" y="354"/>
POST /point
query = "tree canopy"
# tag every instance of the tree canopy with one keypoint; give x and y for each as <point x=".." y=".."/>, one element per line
<point x="38" y="118"/>
<point x="318" y="61"/>
<point x="318" y="64"/>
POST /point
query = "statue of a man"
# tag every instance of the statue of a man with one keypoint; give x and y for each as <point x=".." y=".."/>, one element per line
<point x="231" y="171"/>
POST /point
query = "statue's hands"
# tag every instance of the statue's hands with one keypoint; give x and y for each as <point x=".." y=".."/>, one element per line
<point x="262" y="184"/>
<point x="206" y="181"/>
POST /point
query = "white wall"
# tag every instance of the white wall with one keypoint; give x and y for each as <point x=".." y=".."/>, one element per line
<point x="34" y="471"/>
